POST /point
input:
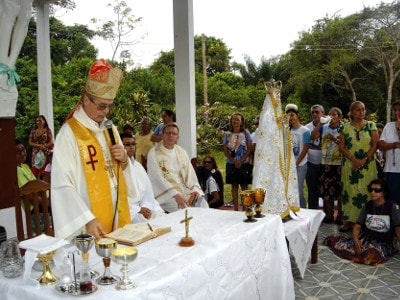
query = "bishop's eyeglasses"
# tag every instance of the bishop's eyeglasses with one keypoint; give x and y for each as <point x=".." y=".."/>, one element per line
<point x="101" y="106"/>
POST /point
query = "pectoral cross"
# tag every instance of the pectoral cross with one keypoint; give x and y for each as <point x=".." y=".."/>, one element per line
<point x="109" y="168"/>
<point x="186" y="221"/>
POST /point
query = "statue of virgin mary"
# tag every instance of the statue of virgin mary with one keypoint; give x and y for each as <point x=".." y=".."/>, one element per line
<point x="274" y="163"/>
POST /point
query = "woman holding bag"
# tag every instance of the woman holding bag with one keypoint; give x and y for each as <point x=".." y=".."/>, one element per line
<point x="41" y="141"/>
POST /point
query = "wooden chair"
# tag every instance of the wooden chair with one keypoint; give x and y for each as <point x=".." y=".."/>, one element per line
<point x="34" y="196"/>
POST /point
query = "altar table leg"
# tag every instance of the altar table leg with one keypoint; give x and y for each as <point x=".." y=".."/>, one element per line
<point x="314" y="251"/>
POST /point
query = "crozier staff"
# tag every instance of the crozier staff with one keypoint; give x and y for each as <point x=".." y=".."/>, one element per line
<point x="90" y="186"/>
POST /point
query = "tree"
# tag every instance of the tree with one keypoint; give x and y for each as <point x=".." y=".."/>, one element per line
<point x="66" y="42"/>
<point x="120" y="30"/>
<point x="217" y="55"/>
<point x="381" y="28"/>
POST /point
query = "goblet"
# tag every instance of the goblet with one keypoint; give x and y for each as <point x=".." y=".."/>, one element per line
<point x="104" y="246"/>
<point x="84" y="242"/>
<point x="259" y="195"/>
<point x="247" y="198"/>
<point x="124" y="256"/>
<point x="47" y="276"/>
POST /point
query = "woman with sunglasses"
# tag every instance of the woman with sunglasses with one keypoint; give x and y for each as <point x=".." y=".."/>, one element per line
<point x="358" y="140"/>
<point x="373" y="234"/>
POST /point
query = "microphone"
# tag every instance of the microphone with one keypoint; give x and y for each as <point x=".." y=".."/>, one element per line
<point x="108" y="124"/>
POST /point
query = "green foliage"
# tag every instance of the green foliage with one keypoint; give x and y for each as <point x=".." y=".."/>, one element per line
<point x="217" y="55"/>
<point x="332" y="64"/>
<point x="213" y="121"/>
<point x="131" y="109"/>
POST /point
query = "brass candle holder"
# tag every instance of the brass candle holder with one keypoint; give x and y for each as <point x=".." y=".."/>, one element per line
<point x="247" y="198"/>
<point x="259" y="196"/>
<point x="47" y="276"/>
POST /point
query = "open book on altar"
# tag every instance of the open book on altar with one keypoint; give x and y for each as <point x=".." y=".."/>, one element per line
<point x="135" y="234"/>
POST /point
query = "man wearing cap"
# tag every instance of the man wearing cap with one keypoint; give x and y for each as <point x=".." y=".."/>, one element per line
<point x="300" y="139"/>
<point x="89" y="187"/>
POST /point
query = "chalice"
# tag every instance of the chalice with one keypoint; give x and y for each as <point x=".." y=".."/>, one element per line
<point x="259" y="195"/>
<point x="104" y="246"/>
<point x="47" y="276"/>
<point x="84" y="242"/>
<point x="247" y="198"/>
<point x="124" y="256"/>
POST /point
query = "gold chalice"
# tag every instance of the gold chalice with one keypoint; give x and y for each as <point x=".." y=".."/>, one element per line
<point x="104" y="246"/>
<point x="84" y="242"/>
<point x="247" y="198"/>
<point x="259" y="195"/>
<point x="124" y="256"/>
<point x="47" y="276"/>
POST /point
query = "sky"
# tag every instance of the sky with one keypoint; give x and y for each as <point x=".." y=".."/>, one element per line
<point x="256" y="28"/>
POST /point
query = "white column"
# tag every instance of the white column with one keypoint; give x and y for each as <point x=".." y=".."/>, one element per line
<point x="184" y="75"/>
<point x="44" y="62"/>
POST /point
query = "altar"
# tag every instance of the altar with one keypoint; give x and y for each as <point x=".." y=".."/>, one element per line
<point x="229" y="260"/>
<point x="302" y="237"/>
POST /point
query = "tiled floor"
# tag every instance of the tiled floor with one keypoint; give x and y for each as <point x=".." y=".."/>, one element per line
<point x="336" y="278"/>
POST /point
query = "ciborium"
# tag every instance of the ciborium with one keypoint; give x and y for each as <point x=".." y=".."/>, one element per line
<point x="124" y="256"/>
<point x="84" y="242"/>
<point x="259" y="195"/>
<point x="247" y="198"/>
<point x="47" y="276"/>
<point x="104" y="246"/>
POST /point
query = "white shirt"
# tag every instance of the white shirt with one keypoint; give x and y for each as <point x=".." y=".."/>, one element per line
<point x="144" y="194"/>
<point x="389" y="135"/>
<point x="314" y="153"/>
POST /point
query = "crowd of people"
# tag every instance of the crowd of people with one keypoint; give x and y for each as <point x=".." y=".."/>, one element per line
<point x="149" y="174"/>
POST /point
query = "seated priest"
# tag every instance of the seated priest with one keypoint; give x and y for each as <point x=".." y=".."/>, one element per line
<point x="143" y="207"/>
<point x="171" y="173"/>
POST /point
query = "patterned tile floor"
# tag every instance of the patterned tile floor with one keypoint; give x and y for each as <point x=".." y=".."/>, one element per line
<point x="336" y="278"/>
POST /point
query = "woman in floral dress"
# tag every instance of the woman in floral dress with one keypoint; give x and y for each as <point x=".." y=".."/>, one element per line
<point x="358" y="142"/>
<point x="41" y="140"/>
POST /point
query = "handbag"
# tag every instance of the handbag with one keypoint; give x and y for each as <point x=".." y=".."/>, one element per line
<point x="40" y="160"/>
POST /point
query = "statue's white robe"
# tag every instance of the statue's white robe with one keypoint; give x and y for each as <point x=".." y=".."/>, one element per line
<point x="275" y="166"/>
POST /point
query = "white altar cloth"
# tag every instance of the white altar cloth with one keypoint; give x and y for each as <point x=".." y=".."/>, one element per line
<point x="301" y="235"/>
<point x="230" y="260"/>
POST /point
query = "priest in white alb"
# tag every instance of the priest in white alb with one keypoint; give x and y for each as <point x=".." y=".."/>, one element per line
<point x="91" y="173"/>
<point x="171" y="173"/>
